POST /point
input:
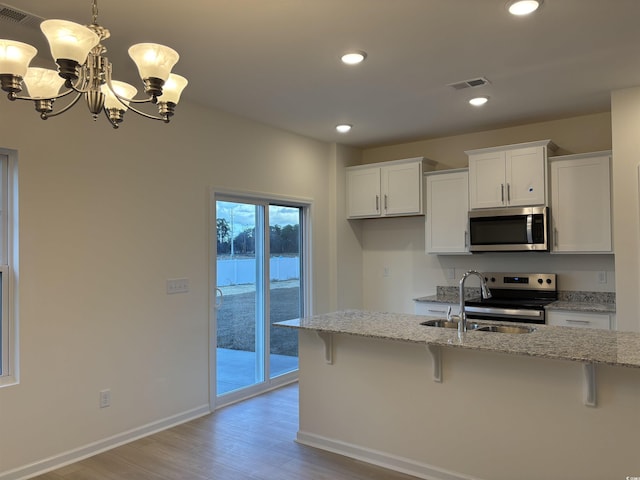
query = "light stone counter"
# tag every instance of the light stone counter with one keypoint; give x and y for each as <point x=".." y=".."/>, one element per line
<point x="566" y="343"/>
<point x="575" y="301"/>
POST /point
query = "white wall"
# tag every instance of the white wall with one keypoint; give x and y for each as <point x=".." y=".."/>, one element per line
<point x="105" y="218"/>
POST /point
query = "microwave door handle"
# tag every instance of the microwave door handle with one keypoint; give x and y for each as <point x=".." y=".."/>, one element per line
<point x="530" y="229"/>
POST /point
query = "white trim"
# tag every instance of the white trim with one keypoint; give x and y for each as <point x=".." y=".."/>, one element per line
<point x="10" y="347"/>
<point x="103" y="445"/>
<point x="381" y="459"/>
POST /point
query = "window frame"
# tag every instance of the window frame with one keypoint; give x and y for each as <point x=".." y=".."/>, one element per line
<point x="8" y="267"/>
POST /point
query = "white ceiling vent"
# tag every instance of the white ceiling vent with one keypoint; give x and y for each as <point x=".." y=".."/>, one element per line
<point x="13" y="15"/>
<point x="474" y="82"/>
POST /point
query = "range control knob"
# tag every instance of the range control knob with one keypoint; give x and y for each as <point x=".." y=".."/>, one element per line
<point x="549" y="281"/>
<point x="540" y="281"/>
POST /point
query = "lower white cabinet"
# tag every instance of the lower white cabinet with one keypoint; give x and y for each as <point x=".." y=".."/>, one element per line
<point x="434" y="309"/>
<point x="446" y="230"/>
<point x="579" y="319"/>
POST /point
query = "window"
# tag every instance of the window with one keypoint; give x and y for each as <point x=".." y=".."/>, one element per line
<point x="8" y="327"/>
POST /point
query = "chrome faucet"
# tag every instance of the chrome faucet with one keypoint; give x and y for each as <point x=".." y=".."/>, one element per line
<point x="486" y="293"/>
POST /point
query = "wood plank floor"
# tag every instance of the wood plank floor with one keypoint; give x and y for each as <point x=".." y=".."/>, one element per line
<point x="252" y="440"/>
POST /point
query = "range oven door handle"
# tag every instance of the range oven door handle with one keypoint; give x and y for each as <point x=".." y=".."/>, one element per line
<point x="505" y="311"/>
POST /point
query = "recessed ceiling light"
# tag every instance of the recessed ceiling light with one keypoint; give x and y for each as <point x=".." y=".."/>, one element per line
<point x="523" y="7"/>
<point x="478" y="101"/>
<point x="343" y="128"/>
<point x="353" y="58"/>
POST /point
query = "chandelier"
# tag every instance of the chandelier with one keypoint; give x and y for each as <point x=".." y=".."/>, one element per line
<point x="85" y="71"/>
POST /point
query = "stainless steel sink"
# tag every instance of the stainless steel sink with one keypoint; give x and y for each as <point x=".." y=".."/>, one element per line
<point x="442" y="323"/>
<point x="504" y="328"/>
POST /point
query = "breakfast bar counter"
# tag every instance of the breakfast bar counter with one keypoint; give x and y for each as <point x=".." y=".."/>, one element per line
<point x="565" y="343"/>
<point x="557" y="402"/>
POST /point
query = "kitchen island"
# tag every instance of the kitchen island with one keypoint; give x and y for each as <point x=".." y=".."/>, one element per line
<point x="556" y="403"/>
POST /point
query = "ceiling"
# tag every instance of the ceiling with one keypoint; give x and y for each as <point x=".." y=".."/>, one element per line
<point x="277" y="61"/>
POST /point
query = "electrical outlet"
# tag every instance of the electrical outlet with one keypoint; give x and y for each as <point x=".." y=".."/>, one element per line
<point x="602" y="277"/>
<point x="177" y="285"/>
<point x="386" y="272"/>
<point x="105" y="398"/>
<point x="451" y="273"/>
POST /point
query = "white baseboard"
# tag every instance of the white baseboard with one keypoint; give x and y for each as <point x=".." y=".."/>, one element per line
<point x="381" y="459"/>
<point x="75" y="455"/>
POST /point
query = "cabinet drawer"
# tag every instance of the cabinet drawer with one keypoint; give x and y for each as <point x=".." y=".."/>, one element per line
<point x="435" y="309"/>
<point x="579" y="319"/>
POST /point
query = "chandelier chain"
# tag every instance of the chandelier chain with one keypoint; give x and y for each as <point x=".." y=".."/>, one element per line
<point x="94" y="11"/>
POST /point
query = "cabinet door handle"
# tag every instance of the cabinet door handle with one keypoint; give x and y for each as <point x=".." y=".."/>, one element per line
<point x="502" y="192"/>
<point x="385" y="203"/>
<point x="377" y="203"/>
<point x="581" y="322"/>
<point x="508" y="192"/>
<point x="555" y="237"/>
<point x="435" y="310"/>
<point x="466" y="239"/>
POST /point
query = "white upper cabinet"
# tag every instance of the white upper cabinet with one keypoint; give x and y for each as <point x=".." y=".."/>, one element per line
<point x="447" y="212"/>
<point x="386" y="189"/>
<point x="363" y="192"/>
<point x="581" y="203"/>
<point x="512" y="175"/>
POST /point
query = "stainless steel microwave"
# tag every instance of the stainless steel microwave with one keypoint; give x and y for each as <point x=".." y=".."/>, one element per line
<point x="509" y="230"/>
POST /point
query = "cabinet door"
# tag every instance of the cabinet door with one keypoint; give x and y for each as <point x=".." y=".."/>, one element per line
<point x="525" y="176"/>
<point x="579" y="319"/>
<point x="487" y="180"/>
<point x="525" y="183"/>
<point x="363" y="193"/>
<point x="581" y="204"/>
<point x="447" y="213"/>
<point x="402" y="189"/>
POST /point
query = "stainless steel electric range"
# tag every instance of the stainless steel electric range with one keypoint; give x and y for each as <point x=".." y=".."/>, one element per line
<point x="515" y="297"/>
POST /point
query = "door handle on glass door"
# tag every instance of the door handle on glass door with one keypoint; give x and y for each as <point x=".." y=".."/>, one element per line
<point x="221" y="297"/>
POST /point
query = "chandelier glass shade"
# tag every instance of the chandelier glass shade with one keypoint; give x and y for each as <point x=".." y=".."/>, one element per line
<point x="85" y="71"/>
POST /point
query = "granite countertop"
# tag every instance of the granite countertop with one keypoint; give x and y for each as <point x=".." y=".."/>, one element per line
<point x="575" y="301"/>
<point x="566" y="343"/>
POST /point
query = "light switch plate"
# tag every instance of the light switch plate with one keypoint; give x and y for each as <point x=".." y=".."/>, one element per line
<point x="177" y="285"/>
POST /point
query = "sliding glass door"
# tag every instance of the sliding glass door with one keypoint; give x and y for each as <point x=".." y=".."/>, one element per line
<point x="259" y="277"/>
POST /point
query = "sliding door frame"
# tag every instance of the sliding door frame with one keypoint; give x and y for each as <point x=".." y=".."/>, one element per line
<point x="306" y="206"/>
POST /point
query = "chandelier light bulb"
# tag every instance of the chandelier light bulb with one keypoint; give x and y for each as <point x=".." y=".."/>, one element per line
<point x="43" y="83"/>
<point x="173" y="88"/>
<point x="153" y="60"/>
<point x="124" y="90"/>
<point x="69" y="40"/>
<point x="15" y="57"/>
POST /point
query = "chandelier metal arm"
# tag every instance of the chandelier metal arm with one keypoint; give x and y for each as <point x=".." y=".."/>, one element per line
<point x="13" y="96"/>
<point x="147" y="115"/>
<point x="66" y="107"/>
